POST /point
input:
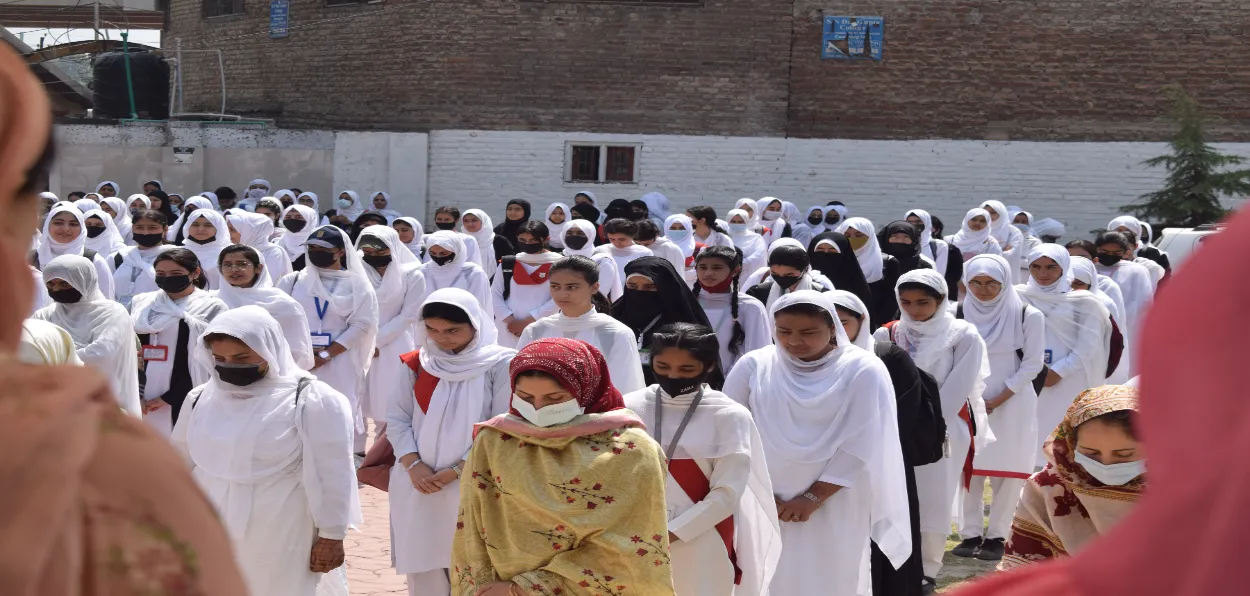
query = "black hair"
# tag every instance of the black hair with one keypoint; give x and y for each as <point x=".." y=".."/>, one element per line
<point x="534" y="373"/>
<point x="707" y="214"/>
<point x="152" y="214"/>
<point x="938" y="226"/>
<point x="1084" y="245"/>
<point x="640" y="204"/>
<point x="248" y="253"/>
<point x="537" y="229"/>
<point x="84" y="220"/>
<point x="1145" y="233"/>
<point x="225" y="193"/>
<point x="915" y="285"/>
<point x="699" y="340"/>
<point x="272" y="203"/>
<point x="213" y="338"/>
<point x="792" y="256"/>
<point x="589" y="270"/>
<point x="647" y="230"/>
<point x="731" y="255"/>
<point x="445" y="311"/>
<point x="1114" y="238"/>
<point x="38" y="173"/>
<point x="843" y="309"/>
<point x="449" y="210"/>
<point x="838" y="203"/>
<point x="78" y="193"/>
<point x="621" y="226"/>
<point x="807" y="309"/>
<point x="187" y="260"/>
<point x="1131" y="237"/>
<point x="297" y="192"/>
<point x="1123" y="419"/>
<point x="155" y="183"/>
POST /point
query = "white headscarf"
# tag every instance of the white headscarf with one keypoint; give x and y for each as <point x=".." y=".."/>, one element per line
<point x="444" y="275"/>
<point x="1085" y="271"/>
<point x="868" y="255"/>
<point x="753" y="220"/>
<point x="316" y="203"/>
<point x="926" y="340"/>
<point x="588" y="229"/>
<point x="154" y="312"/>
<point x="772" y="230"/>
<point x="852" y="302"/>
<point x="657" y="206"/>
<point x="351" y="213"/>
<point x="46" y="344"/>
<point x="1060" y="256"/>
<point x="485" y="237"/>
<point x="122" y="220"/>
<point x="1001" y="228"/>
<point x="687" y="245"/>
<point x="254" y="231"/>
<point x="389" y="286"/>
<point x="967" y="240"/>
<point x="1048" y="227"/>
<point x="353" y="294"/>
<point x="117" y="190"/>
<point x="199" y="202"/>
<point x="1028" y="226"/>
<point x="132" y="199"/>
<point x="107" y="242"/>
<point x="843" y="402"/>
<point x="286" y="192"/>
<point x="50" y="248"/>
<point x="390" y="214"/>
<point x="293" y="242"/>
<point x="418" y="235"/>
<point x="926" y="233"/>
<point x="999" y="321"/>
<point x="819" y="228"/>
<point x="262" y="194"/>
<point x="253" y="408"/>
<point x="458" y="399"/>
<point x="207" y="253"/>
<point x="557" y="230"/>
<point x="1077" y="318"/>
<point x="1133" y="225"/>
<point x="85" y="205"/>
<point x="281" y="306"/>
<point x="103" y="335"/>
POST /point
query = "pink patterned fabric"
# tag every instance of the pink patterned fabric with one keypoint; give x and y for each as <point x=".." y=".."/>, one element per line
<point x="578" y="367"/>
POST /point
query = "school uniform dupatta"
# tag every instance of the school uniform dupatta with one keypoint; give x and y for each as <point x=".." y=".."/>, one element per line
<point x="568" y="509"/>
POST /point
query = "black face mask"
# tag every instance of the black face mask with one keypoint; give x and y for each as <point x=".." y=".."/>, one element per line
<point x="640" y="215"/>
<point x="833" y="218"/>
<point x="786" y="281"/>
<point x="813" y="220"/>
<point x="530" y="248"/>
<point x="675" y="387"/>
<point x="94" y="231"/>
<point x="443" y="260"/>
<point x="445" y="225"/>
<point x="643" y="307"/>
<point x="294" y="225"/>
<point x="240" y="374"/>
<point x="173" y="283"/>
<point x="376" y="261"/>
<point x="148" y="240"/>
<point x="321" y="258"/>
<point x="575" y="242"/>
<point x="898" y="251"/>
<point x="69" y="296"/>
<point x="204" y="241"/>
<point x="1109" y="260"/>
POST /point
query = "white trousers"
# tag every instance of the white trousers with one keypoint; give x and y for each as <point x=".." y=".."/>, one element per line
<point x="932" y="549"/>
<point x="1005" y="497"/>
<point x="434" y="582"/>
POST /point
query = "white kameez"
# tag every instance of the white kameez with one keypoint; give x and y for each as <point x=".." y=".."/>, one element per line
<point x="614" y="339"/>
<point x="474" y="386"/>
<point x="254" y="231"/>
<point x="136" y="274"/>
<point x="622" y="257"/>
<point x="531" y="301"/>
<point x="1137" y="288"/>
<point x="399" y="293"/>
<point x="832" y="420"/>
<point x="459" y="272"/>
<point x="48" y="248"/>
<point x="282" y="307"/>
<point x="723" y="442"/>
<point x="208" y="252"/>
<point x="754" y="250"/>
<point x="611" y="286"/>
<point x="278" y="467"/>
<point x="752" y="315"/>
<point x="103" y="335"/>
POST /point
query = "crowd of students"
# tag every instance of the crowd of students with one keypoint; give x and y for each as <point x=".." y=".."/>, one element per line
<point x="834" y="389"/>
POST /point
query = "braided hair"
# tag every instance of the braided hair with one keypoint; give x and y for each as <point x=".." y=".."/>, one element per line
<point x="707" y="214"/>
<point x="732" y="256"/>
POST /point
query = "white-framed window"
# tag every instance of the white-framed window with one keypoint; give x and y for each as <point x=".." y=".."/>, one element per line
<point x="601" y="163"/>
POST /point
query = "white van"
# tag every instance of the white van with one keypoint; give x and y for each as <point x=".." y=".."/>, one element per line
<point x="1180" y="243"/>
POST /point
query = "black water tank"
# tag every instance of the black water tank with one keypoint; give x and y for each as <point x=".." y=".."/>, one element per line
<point x="149" y="74"/>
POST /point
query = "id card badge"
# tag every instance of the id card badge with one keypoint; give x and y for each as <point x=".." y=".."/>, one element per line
<point x="1049" y="357"/>
<point x="644" y="356"/>
<point x="156" y="353"/>
<point x="321" y="340"/>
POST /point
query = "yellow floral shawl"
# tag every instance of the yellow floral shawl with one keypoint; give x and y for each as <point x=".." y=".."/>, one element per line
<point x="576" y="509"/>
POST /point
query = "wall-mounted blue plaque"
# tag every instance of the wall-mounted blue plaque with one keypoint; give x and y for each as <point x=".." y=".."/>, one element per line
<point x="853" y="38"/>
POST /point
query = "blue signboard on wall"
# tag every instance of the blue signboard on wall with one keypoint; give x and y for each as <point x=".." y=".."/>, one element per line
<point x="853" y="38"/>
<point x="279" y="18"/>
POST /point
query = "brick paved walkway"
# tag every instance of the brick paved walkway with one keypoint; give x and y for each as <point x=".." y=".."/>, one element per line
<point x="369" y="571"/>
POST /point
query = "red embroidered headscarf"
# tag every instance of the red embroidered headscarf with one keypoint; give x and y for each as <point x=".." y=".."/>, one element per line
<point x="577" y="366"/>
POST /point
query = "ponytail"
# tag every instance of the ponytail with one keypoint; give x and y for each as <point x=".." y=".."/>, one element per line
<point x="601" y="303"/>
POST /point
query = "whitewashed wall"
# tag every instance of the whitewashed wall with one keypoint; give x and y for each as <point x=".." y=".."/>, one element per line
<point x="1080" y="184"/>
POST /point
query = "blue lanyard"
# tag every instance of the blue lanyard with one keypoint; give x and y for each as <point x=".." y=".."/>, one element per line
<point x="322" y="307"/>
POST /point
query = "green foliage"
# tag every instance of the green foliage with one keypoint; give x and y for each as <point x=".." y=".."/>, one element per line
<point x="1198" y="174"/>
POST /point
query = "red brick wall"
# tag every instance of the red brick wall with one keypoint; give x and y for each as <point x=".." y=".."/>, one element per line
<point x="1019" y="69"/>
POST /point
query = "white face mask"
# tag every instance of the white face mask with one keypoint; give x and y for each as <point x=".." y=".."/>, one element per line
<point x="256" y="193"/>
<point x="344" y="203"/>
<point x="678" y="235"/>
<point x="1111" y="474"/>
<point x="771" y="215"/>
<point x="737" y="228"/>
<point x="549" y="415"/>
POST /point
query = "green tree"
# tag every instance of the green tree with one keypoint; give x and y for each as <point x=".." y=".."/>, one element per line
<point x="1198" y="174"/>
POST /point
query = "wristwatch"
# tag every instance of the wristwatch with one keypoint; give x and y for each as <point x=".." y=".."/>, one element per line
<point x="324" y="354"/>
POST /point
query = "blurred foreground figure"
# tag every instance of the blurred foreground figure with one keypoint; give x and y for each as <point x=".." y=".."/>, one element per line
<point x="1191" y="491"/>
<point x="92" y="502"/>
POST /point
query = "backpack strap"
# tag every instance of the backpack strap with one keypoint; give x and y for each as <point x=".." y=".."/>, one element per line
<point x="959" y="310"/>
<point x="117" y="261"/>
<point x="299" y="388"/>
<point x="507" y="264"/>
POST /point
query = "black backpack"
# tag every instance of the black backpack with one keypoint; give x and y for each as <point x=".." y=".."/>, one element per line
<point x="507" y="265"/>
<point x="1039" y="382"/>
<point x="929" y="439"/>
